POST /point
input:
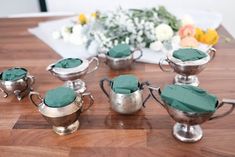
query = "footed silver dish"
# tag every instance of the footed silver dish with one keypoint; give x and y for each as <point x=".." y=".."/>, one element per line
<point x="73" y="76"/>
<point x="187" y="127"/>
<point x="187" y="71"/>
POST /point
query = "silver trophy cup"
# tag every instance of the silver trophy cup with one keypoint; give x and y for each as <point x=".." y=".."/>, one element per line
<point x="64" y="119"/>
<point x="187" y="127"/>
<point x="73" y="76"/>
<point x="187" y="71"/>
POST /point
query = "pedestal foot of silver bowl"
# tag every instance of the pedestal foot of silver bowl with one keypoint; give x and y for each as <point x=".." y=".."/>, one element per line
<point x="186" y="80"/>
<point x="60" y="130"/>
<point x="77" y="85"/>
<point x="187" y="133"/>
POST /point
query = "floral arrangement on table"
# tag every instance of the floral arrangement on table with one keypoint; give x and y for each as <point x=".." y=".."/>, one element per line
<point x="153" y="28"/>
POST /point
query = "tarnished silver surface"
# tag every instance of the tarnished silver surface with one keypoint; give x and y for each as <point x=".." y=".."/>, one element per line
<point x="64" y="119"/>
<point x="20" y="88"/>
<point x="73" y="76"/>
<point x="187" y="69"/>
<point x="124" y="103"/>
<point x="191" y="120"/>
<point x="122" y="63"/>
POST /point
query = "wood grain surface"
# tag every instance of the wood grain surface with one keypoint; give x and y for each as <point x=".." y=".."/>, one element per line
<point x="24" y="132"/>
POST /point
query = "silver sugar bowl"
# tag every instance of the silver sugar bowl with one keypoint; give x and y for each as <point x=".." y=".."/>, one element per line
<point x="20" y="88"/>
<point x="187" y="127"/>
<point x="73" y="76"/>
<point x="64" y="119"/>
<point x="125" y="103"/>
<point x="187" y="71"/>
<point x="124" y="62"/>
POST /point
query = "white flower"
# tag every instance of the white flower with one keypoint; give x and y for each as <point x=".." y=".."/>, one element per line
<point x="163" y="32"/>
<point x="56" y="35"/>
<point x="77" y="29"/>
<point x="187" y="20"/>
<point x="156" y="46"/>
<point x="77" y="39"/>
<point x="127" y="40"/>
<point x="176" y="39"/>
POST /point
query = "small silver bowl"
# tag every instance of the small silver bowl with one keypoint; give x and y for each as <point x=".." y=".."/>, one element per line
<point x="122" y="63"/>
<point x="187" y="127"/>
<point x="125" y="103"/>
<point x="187" y="71"/>
<point x="73" y="76"/>
<point x="20" y="88"/>
<point x="64" y="119"/>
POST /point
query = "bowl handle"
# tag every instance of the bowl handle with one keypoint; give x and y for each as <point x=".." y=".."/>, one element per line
<point x="5" y="94"/>
<point x="140" y="55"/>
<point x="162" y="66"/>
<point x="102" y="86"/>
<point x="31" y="79"/>
<point x="91" y="101"/>
<point x="31" y="97"/>
<point x="151" y="89"/>
<point x="212" y="53"/>
<point x="225" y="101"/>
<point x="50" y="67"/>
<point x="146" y="83"/>
<point x="97" y="64"/>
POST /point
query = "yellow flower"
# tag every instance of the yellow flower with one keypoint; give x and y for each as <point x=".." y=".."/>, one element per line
<point x="199" y="34"/>
<point x="209" y="37"/>
<point x="82" y="19"/>
<point x="93" y="15"/>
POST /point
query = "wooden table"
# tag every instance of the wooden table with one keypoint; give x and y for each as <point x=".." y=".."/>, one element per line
<point x="24" y="132"/>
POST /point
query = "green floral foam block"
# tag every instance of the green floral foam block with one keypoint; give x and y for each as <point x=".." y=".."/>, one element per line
<point x="120" y="51"/>
<point x="189" y="98"/>
<point x="188" y="54"/>
<point x="59" y="97"/>
<point x="68" y="63"/>
<point x="125" y="84"/>
<point x="13" y="74"/>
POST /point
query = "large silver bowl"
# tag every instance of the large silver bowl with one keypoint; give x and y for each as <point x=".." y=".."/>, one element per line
<point x="64" y="119"/>
<point x="187" y="128"/>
